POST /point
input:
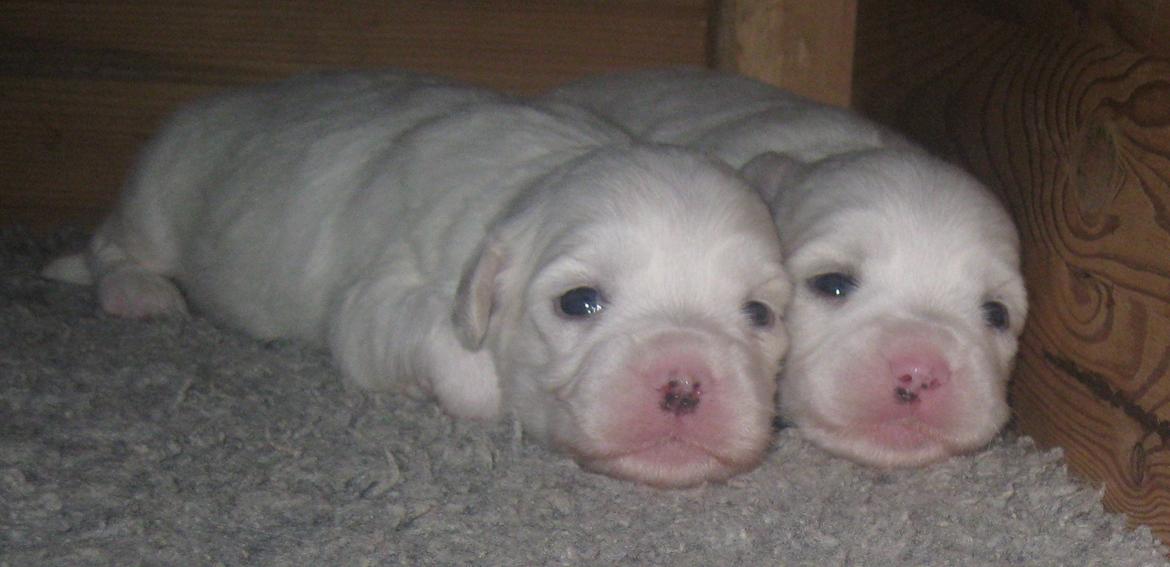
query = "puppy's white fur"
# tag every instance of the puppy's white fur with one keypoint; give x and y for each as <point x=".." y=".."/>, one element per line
<point x="907" y="365"/>
<point x="425" y="232"/>
<point x="730" y="116"/>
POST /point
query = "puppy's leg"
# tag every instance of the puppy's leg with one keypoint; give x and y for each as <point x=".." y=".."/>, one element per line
<point x="127" y="285"/>
<point x="464" y="382"/>
<point x="388" y="334"/>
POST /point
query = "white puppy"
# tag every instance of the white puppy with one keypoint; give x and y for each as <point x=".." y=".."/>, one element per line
<point x="909" y="301"/>
<point x="619" y="299"/>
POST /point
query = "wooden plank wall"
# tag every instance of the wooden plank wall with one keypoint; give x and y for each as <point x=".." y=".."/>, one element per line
<point x="1064" y="107"/>
<point x="85" y="83"/>
<point x="804" y="46"/>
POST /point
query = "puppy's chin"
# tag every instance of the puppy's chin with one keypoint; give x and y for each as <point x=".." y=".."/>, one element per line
<point x="672" y="464"/>
<point x="901" y="444"/>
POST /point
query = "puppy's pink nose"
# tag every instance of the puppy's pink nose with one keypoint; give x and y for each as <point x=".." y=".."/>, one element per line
<point x="916" y="376"/>
<point x="681" y="394"/>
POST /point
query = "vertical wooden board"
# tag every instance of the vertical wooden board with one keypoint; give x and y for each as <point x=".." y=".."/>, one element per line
<point x="1076" y="137"/>
<point x="802" y="46"/>
<point x="85" y="83"/>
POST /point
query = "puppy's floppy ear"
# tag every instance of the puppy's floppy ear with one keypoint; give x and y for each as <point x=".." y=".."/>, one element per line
<point x="771" y="172"/>
<point x="476" y="295"/>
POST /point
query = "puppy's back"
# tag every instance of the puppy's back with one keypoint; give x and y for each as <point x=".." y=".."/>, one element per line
<point x="263" y="202"/>
<point x="731" y="116"/>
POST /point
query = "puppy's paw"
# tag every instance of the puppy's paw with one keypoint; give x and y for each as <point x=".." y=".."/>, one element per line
<point x="134" y="293"/>
<point x="470" y="397"/>
<point x="69" y="269"/>
<point x="464" y="382"/>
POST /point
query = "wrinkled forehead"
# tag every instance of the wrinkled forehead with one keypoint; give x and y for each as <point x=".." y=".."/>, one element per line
<point x="683" y="245"/>
<point x="911" y="198"/>
<point x="884" y="231"/>
<point x="917" y="226"/>
<point x="691" y="229"/>
<point x="659" y="190"/>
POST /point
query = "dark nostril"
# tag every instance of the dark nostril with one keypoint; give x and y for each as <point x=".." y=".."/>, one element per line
<point x="680" y="396"/>
<point x="905" y="395"/>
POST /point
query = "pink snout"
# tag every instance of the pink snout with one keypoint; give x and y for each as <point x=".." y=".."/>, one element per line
<point x="676" y="417"/>
<point x="681" y="393"/>
<point x="680" y="385"/>
<point x="918" y="377"/>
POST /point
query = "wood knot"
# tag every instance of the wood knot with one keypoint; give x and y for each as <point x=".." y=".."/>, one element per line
<point x="1148" y="106"/>
<point x="1137" y="464"/>
<point x="1097" y="176"/>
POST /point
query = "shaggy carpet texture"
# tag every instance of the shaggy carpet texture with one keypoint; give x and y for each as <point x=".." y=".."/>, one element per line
<point x="182" y="443"/>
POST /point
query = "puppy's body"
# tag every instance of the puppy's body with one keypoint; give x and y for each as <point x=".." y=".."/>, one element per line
<point x="431" y="234"/>
<point x="730" y="116"/>
<point x="909" y="299"/>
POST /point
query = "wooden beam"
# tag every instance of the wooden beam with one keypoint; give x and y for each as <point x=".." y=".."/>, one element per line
<point x="85" y="83"/>
<point x="805" y="46"/>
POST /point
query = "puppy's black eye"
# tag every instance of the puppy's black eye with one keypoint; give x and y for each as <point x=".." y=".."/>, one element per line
<point x="758" y="314"/>
<point x="996" y="315"/>
<point x="580" y="302"/>
<point x="833" y="285"/>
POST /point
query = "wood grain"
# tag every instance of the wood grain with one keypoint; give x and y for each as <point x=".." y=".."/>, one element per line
<point x="1075" y="134"/>
<point x="1141" y="25"/>
<point x="802" y="46"/>
<point x="85" y="83"/>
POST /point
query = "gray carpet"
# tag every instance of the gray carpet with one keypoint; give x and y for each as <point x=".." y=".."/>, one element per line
<point x="180" y="443"/>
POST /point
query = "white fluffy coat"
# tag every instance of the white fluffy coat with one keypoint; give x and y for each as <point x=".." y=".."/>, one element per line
<point x="909" y="361"/>
<point x="427" y="233"/>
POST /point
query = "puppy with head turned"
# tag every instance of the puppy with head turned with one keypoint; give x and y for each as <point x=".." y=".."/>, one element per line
<point x="621" y="300"/>
<point x="908" y="300"/>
